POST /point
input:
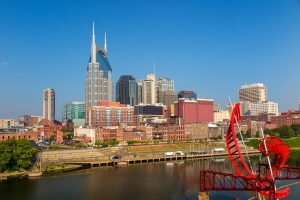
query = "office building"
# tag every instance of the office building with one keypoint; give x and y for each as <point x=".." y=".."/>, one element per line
<point x="252" y="108"/>
<point x="256" y="92"/>
<point x="74" y="112"/>
<point x="126" y="90"/>
<point x="149" y="89"/>
<point x="99" y="83"/>
<point x="139" y="92"/>
<point x="49" y="104"/>
<point x="167" y="98"/>
<point x="107" y="114"/>
<point x="194" y="111"/>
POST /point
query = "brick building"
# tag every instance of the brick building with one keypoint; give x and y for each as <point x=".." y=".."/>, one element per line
<point x="194" y="111"/>
<point x="30" y="135"/>
<point x="107" y="114"/>
<point x="286" y="118"/>
<point x="48" y="128"/>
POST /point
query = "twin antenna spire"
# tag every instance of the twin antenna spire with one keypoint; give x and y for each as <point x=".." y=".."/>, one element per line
<point x="94" y="48"/>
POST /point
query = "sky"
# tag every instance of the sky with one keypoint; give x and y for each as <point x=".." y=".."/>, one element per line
<point x="211" y="46"/>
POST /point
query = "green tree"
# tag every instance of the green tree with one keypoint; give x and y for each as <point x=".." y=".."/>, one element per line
<point x="257" y="135"/>
<point x="16" y="154"/>
<point x="296" y="128"/>
<point x="286" y="132"/>
<point x="248" y="134"/>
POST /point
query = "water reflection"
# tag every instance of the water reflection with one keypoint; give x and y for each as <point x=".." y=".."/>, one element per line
<point x="170" y="180"/>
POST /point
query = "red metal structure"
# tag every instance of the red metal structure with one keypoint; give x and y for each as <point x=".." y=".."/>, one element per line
<point x="262" y="181"/>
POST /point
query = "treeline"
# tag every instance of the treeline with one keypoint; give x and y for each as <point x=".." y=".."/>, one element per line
<point x="108" y="143"/>
<point x="285" y="131"/>
<point x="16" y="155"/>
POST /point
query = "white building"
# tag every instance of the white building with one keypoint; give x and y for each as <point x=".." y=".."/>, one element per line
<point x="221" y="115"/>
<point x="255" y="92"/>
<point x="251" y="108"/>
<point x="149" y="89"/>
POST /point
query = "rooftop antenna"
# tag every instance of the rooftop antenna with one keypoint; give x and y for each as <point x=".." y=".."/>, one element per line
<point x="154" y="67"/>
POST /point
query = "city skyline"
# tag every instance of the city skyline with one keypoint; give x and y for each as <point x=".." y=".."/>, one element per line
<point x="212" y="53"/>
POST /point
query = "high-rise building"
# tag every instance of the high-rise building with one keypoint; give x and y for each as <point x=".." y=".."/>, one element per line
<point x="254" y="100"/>
<point x="49" y="104"/>
<point x="99" y="83"/>
<point x="187" y="94"/>
<point x="256" y="92"/>
<point x="139" y="92"/>
<point x="75" y="112"/>
<point x="164" y="85"/>
<point x="126" y="90"/>
<point x="167" y="98"/>
<point x="149" y="89"/>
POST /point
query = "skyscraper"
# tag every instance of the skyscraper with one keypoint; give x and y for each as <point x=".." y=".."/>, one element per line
<point x="165" y="84"/>
<point x="254" y="100"/>
<point x="149" y="89"/>
<point x="126" y="90"/>
<point x="49" y="104"/>
<point x="165" y="91"/>
<point x="99" y="83"/>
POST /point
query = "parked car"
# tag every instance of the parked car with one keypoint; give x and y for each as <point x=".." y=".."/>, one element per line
<point x="179" y="153"/>
<point x="218" y="150"/>
<point x="199" y="152"/>
<point x="169" y="154"/>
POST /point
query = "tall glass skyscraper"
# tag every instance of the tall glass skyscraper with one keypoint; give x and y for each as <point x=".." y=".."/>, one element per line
<point x="99" y="83"/>
<point x="126" y="90"/>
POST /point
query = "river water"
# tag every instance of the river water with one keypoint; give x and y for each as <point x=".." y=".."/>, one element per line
<point x="167" y="180"/>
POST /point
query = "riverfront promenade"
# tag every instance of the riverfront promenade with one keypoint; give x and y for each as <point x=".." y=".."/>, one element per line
<point x="129" y="154"/>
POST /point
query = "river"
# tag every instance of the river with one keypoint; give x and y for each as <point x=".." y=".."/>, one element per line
<point x="165" y="180"/>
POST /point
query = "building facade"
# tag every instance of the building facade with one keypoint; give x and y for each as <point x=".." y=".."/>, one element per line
<point x="256" y="92"/>
<point x="49" y="104"/>
<point x="286" y="118"/>
<point x="74" y="111"/>
<point x="257" y="108"/>
<point x="126" y="90"/>
<point x="221" y="115"/>
<point x="167" y="98"/>
<point x="30" y="120"/>
<point x="194" y="111"/>
<point x="149" y="89"/>
<point x="29" y="135"/>
<point x="99" y="83"/>
<point x="163" y="85"/>
<point x="6" y="123"/>
<point x="107" y="114"/>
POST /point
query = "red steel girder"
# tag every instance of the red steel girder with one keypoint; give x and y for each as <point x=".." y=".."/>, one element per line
<point x="218" y="181"/>
<point x="286" y="173"/>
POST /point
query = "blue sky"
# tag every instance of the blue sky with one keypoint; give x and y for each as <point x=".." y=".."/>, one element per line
<point x="211" y="47"/>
